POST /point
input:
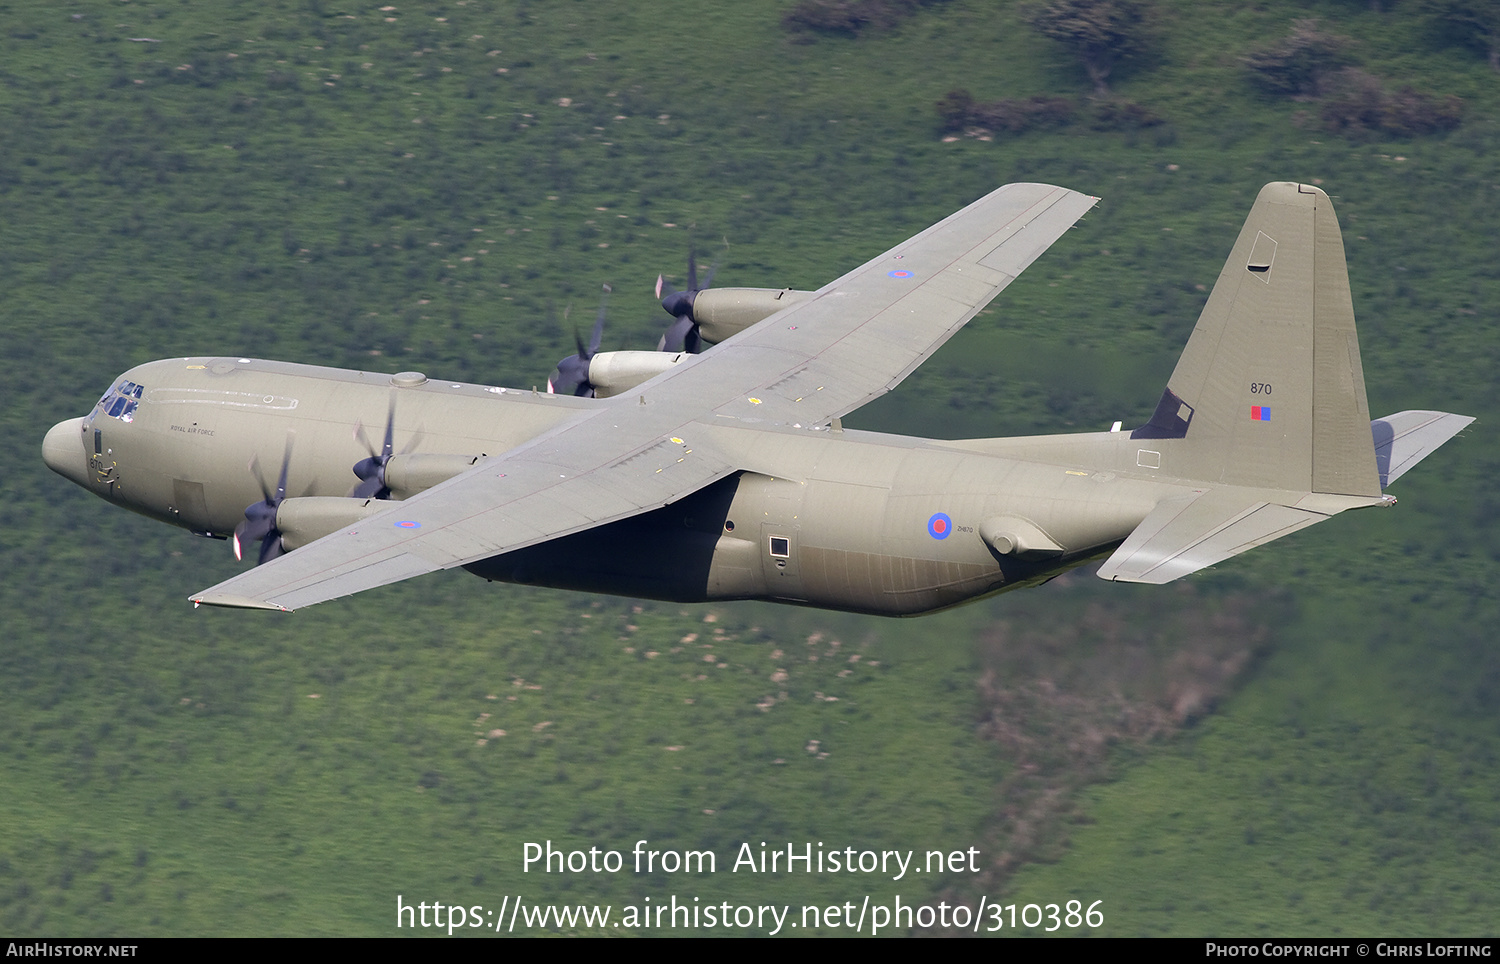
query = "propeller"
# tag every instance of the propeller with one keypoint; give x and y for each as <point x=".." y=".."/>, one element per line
<point x="571" y="377"/>
<point x="679" y="304"/>
<point x="371" y="471"/>
<point x="260" y="517"/>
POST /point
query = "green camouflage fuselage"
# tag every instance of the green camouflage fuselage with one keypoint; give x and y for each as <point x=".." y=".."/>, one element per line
<point x="859" y="511"/>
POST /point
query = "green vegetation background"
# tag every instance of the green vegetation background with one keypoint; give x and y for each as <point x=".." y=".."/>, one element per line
<point x="432" y="185"/>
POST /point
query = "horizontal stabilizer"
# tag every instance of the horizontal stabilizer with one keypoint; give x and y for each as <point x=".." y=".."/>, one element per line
<point x="1406" y="438"/>
<point x="1189" y="532"/>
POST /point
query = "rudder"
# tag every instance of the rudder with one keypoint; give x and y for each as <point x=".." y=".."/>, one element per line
<point x="1269" y="391"/>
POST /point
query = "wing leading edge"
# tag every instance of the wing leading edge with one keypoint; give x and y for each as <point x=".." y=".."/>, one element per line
<point x="854" y="340"/>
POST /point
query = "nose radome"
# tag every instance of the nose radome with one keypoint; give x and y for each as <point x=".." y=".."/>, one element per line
<point x="64" y="453"/>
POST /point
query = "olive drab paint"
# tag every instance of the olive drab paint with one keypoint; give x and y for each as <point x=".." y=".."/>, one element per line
<point x="728" y="474"/>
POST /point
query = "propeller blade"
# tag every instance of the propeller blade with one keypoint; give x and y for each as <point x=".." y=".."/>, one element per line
<point x="390" y="428"/>
<point x="286" y="464"/>
<point x="598" y="337"/>
<point x="678" y="335"/>
<point x="359" y="436"/>
<point x="371" y="471"/>
<point x="371" y="487"/>
<point x="259" y="523"/>
<point x="679" y="304"/>
<point x="253" y="467"/>
<point x="571" y="376"/>
<point x="270" y="548"/>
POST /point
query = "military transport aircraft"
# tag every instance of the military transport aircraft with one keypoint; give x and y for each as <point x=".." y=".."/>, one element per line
<point x="728" y="474"/>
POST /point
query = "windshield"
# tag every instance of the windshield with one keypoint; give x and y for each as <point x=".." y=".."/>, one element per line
<point x="120" y="401"/>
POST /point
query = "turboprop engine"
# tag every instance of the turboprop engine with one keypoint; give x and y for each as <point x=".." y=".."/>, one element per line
<point x="303" y="520"/>
<point x="719" y="313"/>
<point x="613" y="372"/>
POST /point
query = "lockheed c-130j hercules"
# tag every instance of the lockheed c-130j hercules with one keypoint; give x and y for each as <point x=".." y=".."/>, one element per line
<point x="727" y="474"/>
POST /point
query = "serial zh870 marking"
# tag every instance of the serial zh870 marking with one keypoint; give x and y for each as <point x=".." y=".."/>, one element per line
<point x="728" y="474"/>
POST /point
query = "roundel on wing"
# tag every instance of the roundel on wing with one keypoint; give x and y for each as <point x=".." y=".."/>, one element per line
<point x="939" y="525"/>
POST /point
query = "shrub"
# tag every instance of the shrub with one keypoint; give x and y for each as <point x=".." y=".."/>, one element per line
<point x="1354" y="103"/>
<point x="955" y="109"/>
<point x="825" y="16"/>
<point x="959" y="111"/>
<point x="1101" y="33"/>
<point x="1409" y="112"/>
<point x="1020" y="115"/>
<point x="848" y="17"/>
<point x="1124" y="115"/>
<point x="1477" y="22"/>
<point x="1358" y="103"/>
<point x="1297" y="65"/>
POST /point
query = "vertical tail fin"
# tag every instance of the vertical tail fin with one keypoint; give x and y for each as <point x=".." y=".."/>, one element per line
<point x="1269" y="391"/>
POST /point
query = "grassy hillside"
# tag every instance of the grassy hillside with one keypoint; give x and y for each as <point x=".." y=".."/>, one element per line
<point x="444" y="186"/>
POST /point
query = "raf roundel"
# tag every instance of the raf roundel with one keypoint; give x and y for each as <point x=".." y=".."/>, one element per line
<point x="898" y="274"/>
<point x="939" y="525"/>
<point x="408" y="524"/>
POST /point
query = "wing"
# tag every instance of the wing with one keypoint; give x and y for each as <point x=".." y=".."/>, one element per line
<point x="584" y="474"/>
<point x="856" y="338"/>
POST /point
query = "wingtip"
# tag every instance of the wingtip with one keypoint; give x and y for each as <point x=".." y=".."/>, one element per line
<point x="235" y="602"/>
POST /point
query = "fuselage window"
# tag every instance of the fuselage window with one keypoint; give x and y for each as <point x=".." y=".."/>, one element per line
<point x="781" y="547"/>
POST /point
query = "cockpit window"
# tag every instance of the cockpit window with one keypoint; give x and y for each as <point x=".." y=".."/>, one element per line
<point x="120" y="401"/>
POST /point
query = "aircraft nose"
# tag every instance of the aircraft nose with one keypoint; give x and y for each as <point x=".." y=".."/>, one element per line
<point x="64" y="452"/>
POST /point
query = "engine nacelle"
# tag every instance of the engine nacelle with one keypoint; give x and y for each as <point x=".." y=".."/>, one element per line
<point x="406" y="475"/>
<point x="722" y="312"/>
<point x="613" y="372"/>
<point x="305" y="520"/>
